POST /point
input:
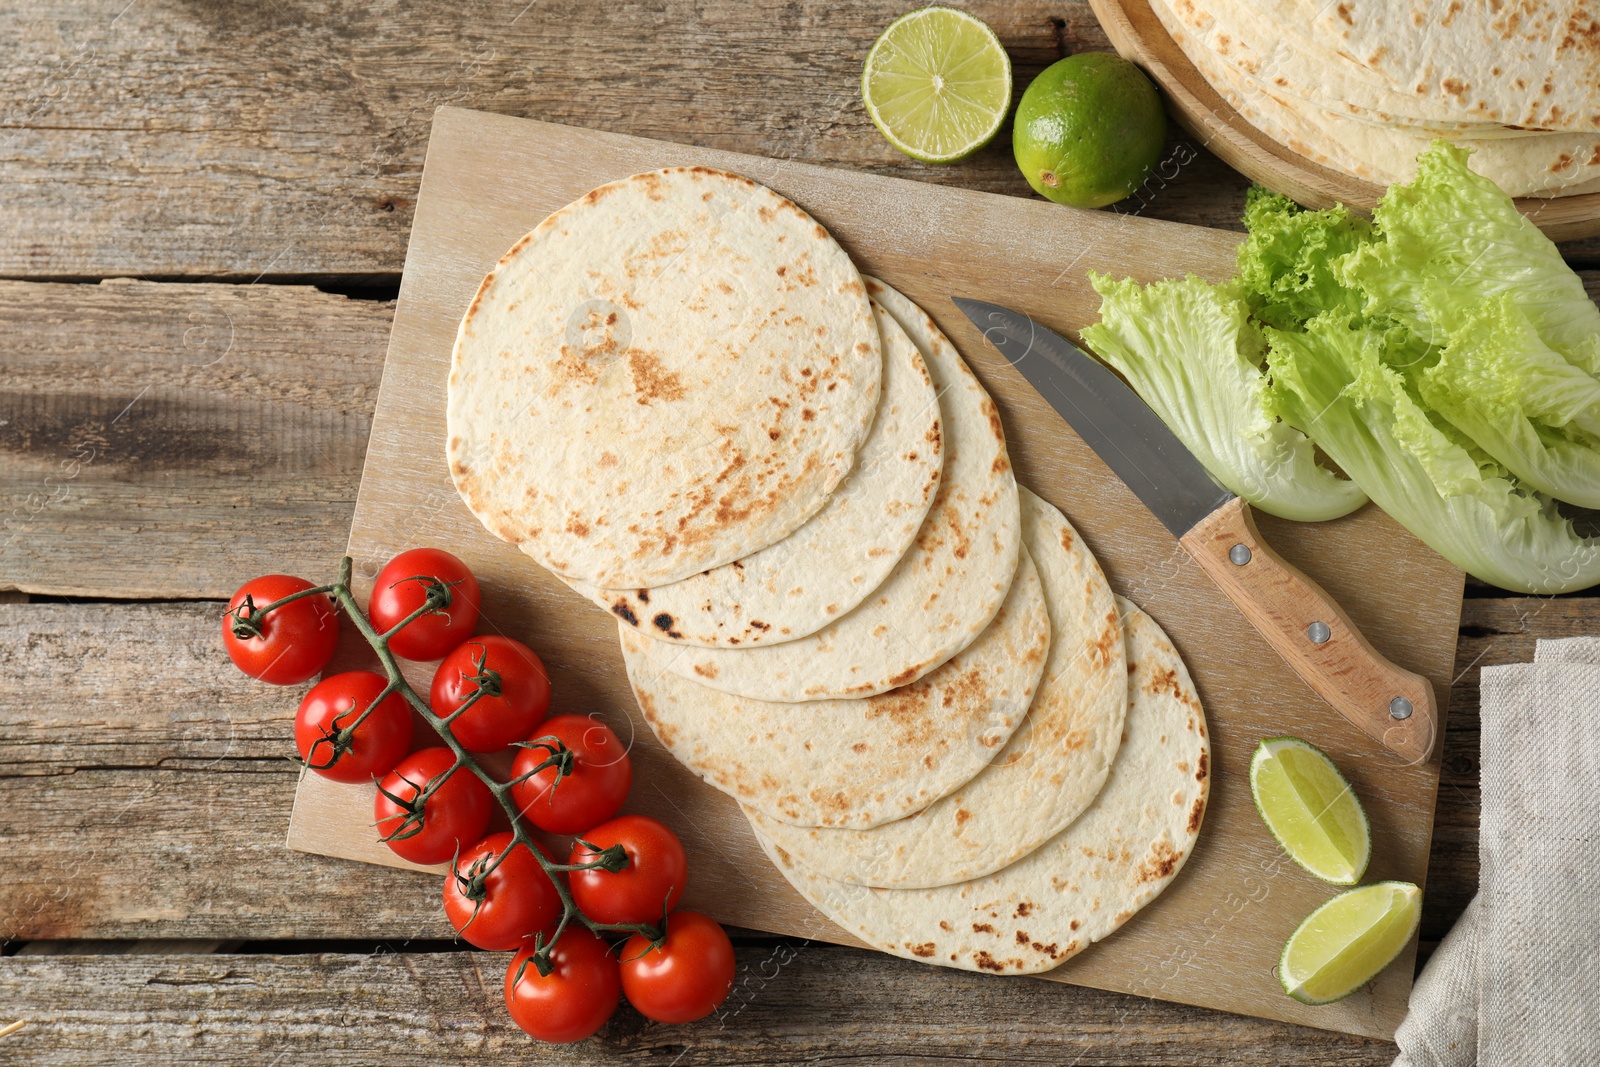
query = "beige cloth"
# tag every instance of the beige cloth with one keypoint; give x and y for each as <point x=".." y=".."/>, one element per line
<point x="1514" y="983"/>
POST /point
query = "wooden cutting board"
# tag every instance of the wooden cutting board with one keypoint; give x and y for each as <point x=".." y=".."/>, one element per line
<point x="1138" y="35"/>
<point x="1213" y="938"/>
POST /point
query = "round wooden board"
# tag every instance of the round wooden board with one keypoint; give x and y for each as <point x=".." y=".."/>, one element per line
<point x="1138" y="35"/>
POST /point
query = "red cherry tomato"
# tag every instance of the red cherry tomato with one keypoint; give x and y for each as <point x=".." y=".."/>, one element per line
<point x="402" y="587"/>
<point x="455" y="816"/>
<point x="575" y="998"/>
<point x="296" y="640"/>
<point x="686" y="977"/>
<point x="373" y="748"/>
<point x="591" y="792"/>
<point x="647" y="888"/>
<point x="493" y="722"/>
<point x="514" y="901"/>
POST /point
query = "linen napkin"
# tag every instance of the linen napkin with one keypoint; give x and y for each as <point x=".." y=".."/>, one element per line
<point x="1517" y="981"/>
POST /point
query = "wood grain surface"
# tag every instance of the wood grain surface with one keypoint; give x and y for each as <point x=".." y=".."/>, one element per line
<point x="427" y="1009"/>
<point x="220" y="428"/>
<point x="490" y="179"/>
<point x="146" y="793"/>
<point x="1137" y="33"/>
<point x="205" y="138"/>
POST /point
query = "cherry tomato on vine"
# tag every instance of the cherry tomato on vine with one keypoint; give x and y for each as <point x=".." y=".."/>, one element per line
<point x="403" y="586"/>
<point x="642" y="892"/>
<point x="493" y="722"/>
<point x="455" y="816"/>
<point x="589" y="793"/>
<point x="686" y="977"/>
<point x="514" y="901"/>
<point x="575" y="998"/>
<point x="373" y="748"/>
<point x="295" y="641"/>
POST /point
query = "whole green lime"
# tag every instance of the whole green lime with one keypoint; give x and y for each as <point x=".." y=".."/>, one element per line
<point x="1089" y="130"/>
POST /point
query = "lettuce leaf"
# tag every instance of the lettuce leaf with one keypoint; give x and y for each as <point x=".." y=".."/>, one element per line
<point x="1452" y="240"/>
<point x="1333" y="381"/>
<point x="1519" y="401"/>
<point x="1444" y="355"/>
<point x="1189" y="350"/>
<point x="1286" y="264"/>
<point x="1500" y="337"/>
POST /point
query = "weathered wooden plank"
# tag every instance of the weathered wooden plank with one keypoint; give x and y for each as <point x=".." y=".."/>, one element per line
<point x="221" y="140"/>
<point x="220" y="428"/>
<point x="147" y="790"/>
<point x="187" y="761"/>
<point x="171" y="440"/>
<point x="789" y="1006"/>
<point x="86" y="687"/>
<point x="194" y="853"/>
<point x="224" y="140"/>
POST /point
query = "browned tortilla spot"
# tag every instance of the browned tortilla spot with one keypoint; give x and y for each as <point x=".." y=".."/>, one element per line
<point x="1161" y="862"/>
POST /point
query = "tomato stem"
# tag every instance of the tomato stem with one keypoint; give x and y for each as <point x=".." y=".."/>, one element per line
<point x="615" y="858"/>
<point x="247" y="617"/>
<point x="342" y="739"/>
<point x="486" y="680"/>
<point x="429" y="605"/>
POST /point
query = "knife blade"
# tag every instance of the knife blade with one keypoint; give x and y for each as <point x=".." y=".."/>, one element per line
<point x="1297" y="617"/>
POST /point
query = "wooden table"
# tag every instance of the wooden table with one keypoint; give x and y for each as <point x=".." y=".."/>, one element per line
<point x="204" y="208"/>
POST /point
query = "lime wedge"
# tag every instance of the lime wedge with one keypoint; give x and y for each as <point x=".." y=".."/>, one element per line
<point x="1345" y="943"/>
<point x="937" y="84"/>
<point x="1311" y="809"/>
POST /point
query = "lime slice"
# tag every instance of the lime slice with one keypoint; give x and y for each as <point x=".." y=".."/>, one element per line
<point x="1311" y="809"/>
<point x="937" y="84"/>
<point x="1345" y="943"/>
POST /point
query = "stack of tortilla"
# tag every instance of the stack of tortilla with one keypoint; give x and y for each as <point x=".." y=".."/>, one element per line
<point x="1363" y="86"/>
<point x="834" y="600"/>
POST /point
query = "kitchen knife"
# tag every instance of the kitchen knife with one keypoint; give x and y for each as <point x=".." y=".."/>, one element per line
<point x="1297" y="618"/>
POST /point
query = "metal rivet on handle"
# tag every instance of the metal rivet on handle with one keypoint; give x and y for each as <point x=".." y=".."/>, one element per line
<point x="1239" y="555"/>
<point x="1319" y="633"/>
<point x="1400" y="708"/>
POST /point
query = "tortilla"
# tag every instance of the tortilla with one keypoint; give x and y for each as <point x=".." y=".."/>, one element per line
<point x="668" y="374"/>
<point x="1271" y="42"/>
<point x="1533" y="64"/>
<point x="818" y="573"/>
<point x="1534" y="164"/>
<point x="854" y="762"/>
<point x="1289" y="68"/>
<point x="1082" y="884"/>
<point x="943" y="591"/>
<point x="1050" y="770"/>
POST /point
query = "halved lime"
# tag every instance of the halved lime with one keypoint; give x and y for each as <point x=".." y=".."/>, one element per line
<point x="937" y="84"/>
<point x="1311" y="809"/>
<point x="1344" y="944"/>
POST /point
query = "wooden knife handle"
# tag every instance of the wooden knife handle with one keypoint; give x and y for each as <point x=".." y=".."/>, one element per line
<point x="1314" y="635"/>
